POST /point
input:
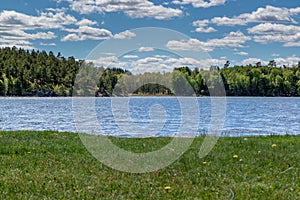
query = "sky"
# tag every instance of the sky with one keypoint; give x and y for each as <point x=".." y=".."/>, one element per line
<point x="197" y="33"/>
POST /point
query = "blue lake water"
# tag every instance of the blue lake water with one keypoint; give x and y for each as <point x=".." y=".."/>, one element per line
<point x="155" y="116"/>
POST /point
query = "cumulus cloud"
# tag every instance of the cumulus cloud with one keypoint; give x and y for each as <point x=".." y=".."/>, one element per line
<point x="108" y="61"/>
<point x="155" y="63"/>
<point x="86" y="22"/>
<point x="269" y="28"/>
<point x="87" y="33"/>
<point x="25" y="44"/>
<point x="280" y="61"/>
<point x="132" y="8"/>
<point x="226" y="21"/>
<point x="206" y="63"/>
<point x="22" y="35"/>
<point x="200" y="3"/>
<point x="268" y="32"/>
<point x="15" y="27"/>
<point x="125" y="35"/>
<point x="47" y="44"/>
<point x="205" y="29"/>
<point x="201" y="23"/>
<point x="45" y="20"/>
<point x="185" y="45"/>
<point x="267" y="14"/>
<point x="242" y="53"/>
<point x="20" y="38"/>
<point x="167" y="64"/>
<point x="232" y="40"/>
<point x="145" y="49"/>
<point x="131" y="56"/>
<point x="288" y="61"/>
<point x="292" y="44"/>
<point x="253" y="61"/>
<point x="295" y="11"/>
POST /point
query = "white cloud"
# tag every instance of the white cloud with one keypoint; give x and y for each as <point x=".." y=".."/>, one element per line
<point x="268" y="32"/>
<point x="108" y="61"/>
<point x="205" y="30"/>
<point x="253" y="61"/>
<point x="280" y="61"/>
<point x="228" y="21"/>
<point x="202" y="26"/>
<point x="206" y="63"/>
<point x="125" y="35"/>
<point x="87" y="33"/>
<point x="275" y="54"/>
<point x="131" y="56"/>
<point x="71" y="37"/>
<point x="50" y="20"/>
<point x="166" y="64"/>
<point x="292" y="44"/>
<point x="161" y="56"/>
<point x="86" y="22"/>
<point x="47" y="44"/>
<point x="17" y="43"/>
<point x="132" y="8"/>
<point x="269" y="28"/>
<point x="200" y="3"/>
<point x="22" y="46"/>
<point x="232" y="40"/>
<point x="22" y="35"/>
<point x="288" y="61"/>
<point x="295" y="11"/>
<point x="201" y="23"/>
<point x="264" y="39"/>
<point x="267" y="14"/>
<point x="15" y="27"/>
<point x="155" y="63"/>
<point x="242" y="53"/>
<point x="145" y="49"/>
<point x="191" y="44"/>
<point x="43" y="35"/>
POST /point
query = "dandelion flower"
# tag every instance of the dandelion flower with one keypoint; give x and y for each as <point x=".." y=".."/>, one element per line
<point x="167" y="187"/>
<point x="274" y="145"/>
<point x="204" y="162"/>
<point x="235" y="156"/>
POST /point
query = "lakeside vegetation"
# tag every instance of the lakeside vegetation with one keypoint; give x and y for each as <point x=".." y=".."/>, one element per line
<point x="34" y="73"/>
<point x="53" y="165"/>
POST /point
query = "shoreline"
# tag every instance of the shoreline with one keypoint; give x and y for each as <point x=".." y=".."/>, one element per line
<point x="160" y="136"/>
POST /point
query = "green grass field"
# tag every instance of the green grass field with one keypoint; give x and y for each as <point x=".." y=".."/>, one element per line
<point x="52" y="165"/>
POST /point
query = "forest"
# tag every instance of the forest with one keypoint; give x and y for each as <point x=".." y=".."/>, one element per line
<point x="38" y="73"/>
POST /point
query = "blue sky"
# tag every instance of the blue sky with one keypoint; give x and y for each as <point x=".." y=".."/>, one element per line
<point x="241" y="31"/>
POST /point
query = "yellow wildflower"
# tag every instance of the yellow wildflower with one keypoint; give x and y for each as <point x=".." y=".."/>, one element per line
<point x="167" y="187"/>
<point x="204" y="163"/>
<point x="274" y="145"/>
<point x="235" y="156"/>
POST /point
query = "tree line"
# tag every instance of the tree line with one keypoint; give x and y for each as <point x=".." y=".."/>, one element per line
<point x="35" y="73"/>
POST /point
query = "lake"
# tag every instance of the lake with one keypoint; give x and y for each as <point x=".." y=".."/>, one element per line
<point x="155" y="116"/>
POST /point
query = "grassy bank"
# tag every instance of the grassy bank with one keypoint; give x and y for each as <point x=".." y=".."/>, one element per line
<point x="52" y="165"/>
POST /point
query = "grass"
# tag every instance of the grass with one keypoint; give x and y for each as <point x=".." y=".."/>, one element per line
<point x="52" y="165"/>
